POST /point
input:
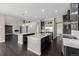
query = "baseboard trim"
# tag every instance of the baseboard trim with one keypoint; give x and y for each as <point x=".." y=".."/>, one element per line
<point x="20" y="42"/>
<point x="34" y="51"/>
<point x="2" y="41"/>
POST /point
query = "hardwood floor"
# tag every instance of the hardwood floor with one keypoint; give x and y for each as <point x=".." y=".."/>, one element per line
<point x="54" y="49"/>
<point x="10" y="48"/>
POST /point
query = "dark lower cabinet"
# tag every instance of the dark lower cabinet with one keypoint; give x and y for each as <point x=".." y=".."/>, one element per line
<point x="45" y="42"/>
<point x="69" y="51"/>
<point x="11" y="39"/>
<point x="8" y="37"/>
<point x="25" y="37"/>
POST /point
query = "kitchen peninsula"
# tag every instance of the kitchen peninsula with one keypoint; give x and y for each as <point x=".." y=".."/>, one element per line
<point x="38" y="42"/>
<point x="22" y="37"/>
<point x="71" y="43"/>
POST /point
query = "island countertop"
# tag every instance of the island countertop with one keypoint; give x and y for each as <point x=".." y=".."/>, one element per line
<point x="71" y="42"/>
<point x="40" y="35"/>
<point x="21" y="33"/>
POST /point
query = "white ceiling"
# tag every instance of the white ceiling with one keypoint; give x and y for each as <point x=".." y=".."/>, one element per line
<point x="34" y="9"/>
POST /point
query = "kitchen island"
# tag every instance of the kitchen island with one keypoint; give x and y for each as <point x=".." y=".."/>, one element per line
<point x="19" y="38"/>
<point x="39" y="42"/>
<point x="70" y="45"/>
<point x="22" y="37"/>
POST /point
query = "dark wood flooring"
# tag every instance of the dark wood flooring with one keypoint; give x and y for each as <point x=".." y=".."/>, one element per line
<point x="10" y="48"/>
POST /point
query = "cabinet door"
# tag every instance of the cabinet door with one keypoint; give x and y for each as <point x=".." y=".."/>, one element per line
<point x="26" y="28"/>
<point x="8" y="29"/>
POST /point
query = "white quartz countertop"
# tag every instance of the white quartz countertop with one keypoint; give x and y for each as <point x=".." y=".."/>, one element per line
<point x="20" y="33"/>
<point x="39" y="35"/>
<point x="71" y="42"/>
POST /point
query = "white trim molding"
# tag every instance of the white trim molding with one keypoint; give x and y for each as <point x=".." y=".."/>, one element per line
<point x="34" y="51"/>
<point x="2" y="40"/>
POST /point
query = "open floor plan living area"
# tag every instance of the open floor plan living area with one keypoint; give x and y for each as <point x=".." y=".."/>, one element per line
<point x="39" y="29"/>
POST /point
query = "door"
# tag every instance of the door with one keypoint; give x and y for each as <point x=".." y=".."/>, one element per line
<point x="8" y="29"/>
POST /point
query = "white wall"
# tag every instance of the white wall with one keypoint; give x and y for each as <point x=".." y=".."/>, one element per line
<point x="38" y="23"/>
<point x="32" y="27"/>
<point x="59" y="26"/>
<point x="15" y="22"/>
<point x="2" y="29"/>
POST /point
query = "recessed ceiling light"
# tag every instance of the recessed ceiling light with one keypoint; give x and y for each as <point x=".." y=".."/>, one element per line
<point x="43" y="10"/>
<point x="56" y="11"/>
<point x="26" y="12"/>
<point x="23" y="25"/>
